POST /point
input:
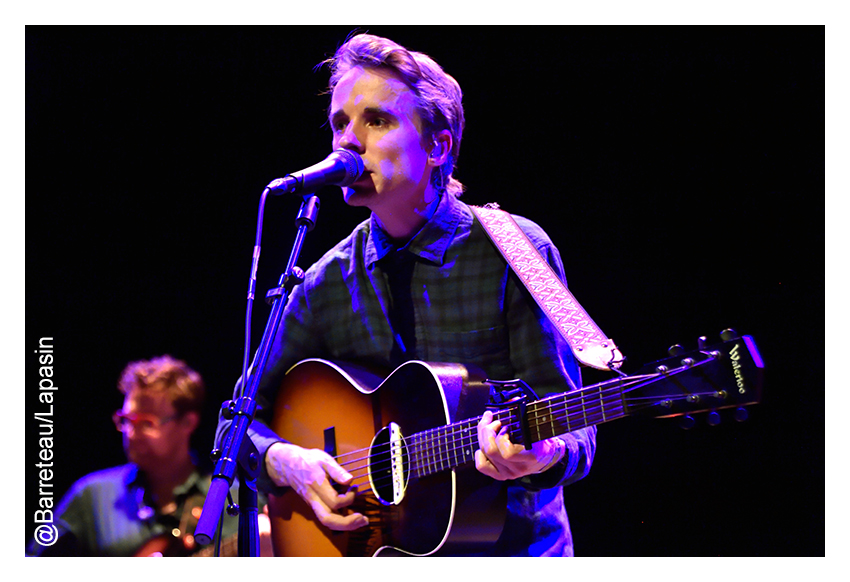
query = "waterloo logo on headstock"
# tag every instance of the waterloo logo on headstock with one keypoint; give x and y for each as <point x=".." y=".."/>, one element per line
<point x="736" y="367"/>
<point x="738" y="356"/>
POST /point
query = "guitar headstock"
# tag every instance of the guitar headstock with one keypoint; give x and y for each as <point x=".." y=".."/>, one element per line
<point x="728" y="374"/>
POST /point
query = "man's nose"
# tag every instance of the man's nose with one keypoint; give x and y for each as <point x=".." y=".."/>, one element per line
<point x="348" y="140"/>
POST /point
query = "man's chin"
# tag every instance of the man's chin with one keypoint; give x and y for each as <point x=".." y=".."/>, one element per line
<point x="139" y="458"/>
<point x="356" y="196"/>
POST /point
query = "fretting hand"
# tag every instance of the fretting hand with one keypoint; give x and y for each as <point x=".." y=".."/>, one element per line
<point x="499" y="458"/>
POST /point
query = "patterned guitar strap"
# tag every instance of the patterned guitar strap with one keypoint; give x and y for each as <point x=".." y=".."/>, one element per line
<point x="588" y="343"/>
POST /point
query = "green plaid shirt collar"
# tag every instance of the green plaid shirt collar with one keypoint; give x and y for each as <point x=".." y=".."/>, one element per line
<point x="429" y="244"/>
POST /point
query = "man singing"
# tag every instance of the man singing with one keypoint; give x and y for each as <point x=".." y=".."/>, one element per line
<point x="421" y="280"/>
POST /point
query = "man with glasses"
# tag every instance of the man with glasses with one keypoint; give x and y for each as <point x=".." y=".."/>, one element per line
<point x="149" y="506"/>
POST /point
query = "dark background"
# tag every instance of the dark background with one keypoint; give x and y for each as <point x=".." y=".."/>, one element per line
<point x="679" y="170"/>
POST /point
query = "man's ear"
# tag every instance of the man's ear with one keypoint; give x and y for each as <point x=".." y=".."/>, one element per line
<point x="191" y="420"/>
<point x="441" y="147"/>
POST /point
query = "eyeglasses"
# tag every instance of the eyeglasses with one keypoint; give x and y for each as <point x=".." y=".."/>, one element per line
<point x="145" y="423"/>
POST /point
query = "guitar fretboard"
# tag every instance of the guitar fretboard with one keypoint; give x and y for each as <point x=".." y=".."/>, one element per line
<point x="454" y="445"/>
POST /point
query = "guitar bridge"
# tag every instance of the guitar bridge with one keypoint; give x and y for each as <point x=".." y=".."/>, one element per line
<point x="389" y="465"/>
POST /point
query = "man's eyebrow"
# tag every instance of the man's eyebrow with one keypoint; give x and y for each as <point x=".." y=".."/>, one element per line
<point x="378" y="111"/>
<point x="368" y="110"/>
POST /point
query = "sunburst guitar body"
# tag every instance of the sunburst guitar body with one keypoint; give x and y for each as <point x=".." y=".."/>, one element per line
<point x="415" y="505"/>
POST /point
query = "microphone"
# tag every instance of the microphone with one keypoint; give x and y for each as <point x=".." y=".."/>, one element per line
<point x="341" y="168"/>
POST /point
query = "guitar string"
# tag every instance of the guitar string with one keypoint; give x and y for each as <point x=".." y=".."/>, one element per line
<point x="621" y="385"/>
<point x="458" y="442"/>
<point x="428" y="440"/>
<point x="438" y="445"/>
<point x="453" y="443"/>
<point x="437" y="462"/>
<point x="619" y="388"/>
<point x="611" y="393"/>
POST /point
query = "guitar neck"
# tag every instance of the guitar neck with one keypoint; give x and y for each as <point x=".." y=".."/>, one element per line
<point x="454" y="445"/>
<point x="712" y="378"/>
<point x="564" y="413"/>
<point x="708" y="379"/>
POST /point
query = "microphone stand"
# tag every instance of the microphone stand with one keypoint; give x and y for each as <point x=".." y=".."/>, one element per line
<point x="241" y="410"/>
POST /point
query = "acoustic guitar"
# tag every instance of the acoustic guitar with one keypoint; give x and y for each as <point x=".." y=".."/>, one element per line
<point x="409" y="439"/>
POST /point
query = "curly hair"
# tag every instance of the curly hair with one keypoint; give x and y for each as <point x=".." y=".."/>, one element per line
<point x="183" y="386"/>
<point x="438" y="95"/>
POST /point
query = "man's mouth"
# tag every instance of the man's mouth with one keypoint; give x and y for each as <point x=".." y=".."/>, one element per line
<point x="365" y="178"/>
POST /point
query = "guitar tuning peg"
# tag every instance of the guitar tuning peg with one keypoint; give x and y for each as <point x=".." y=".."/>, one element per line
<point x="742" y="414"/>
<point x="729" y="335"/>
<point x="713" y="418"/>
<point x="703" y="342"/>
<point x="686" y="422"/>
<point x="675" y="350"/>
